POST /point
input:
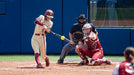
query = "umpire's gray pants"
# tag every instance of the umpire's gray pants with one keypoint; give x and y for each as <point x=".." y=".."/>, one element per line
<point x="68" y="47"/>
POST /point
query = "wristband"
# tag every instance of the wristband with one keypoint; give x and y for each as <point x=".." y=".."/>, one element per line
<point x="40" y="23"/>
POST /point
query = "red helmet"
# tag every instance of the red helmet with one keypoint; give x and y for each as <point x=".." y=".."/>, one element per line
<point x="87" y="28"/>
<point x="49" y="13"/>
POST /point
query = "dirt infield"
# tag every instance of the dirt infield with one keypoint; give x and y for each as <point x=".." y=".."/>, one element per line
<point x="68" y="68"/>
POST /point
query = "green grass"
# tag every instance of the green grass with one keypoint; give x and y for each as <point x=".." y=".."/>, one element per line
<point x="16" y="57"/>
<point x="51" y="57"/>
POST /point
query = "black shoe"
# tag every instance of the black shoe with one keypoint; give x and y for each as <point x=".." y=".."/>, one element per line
<point x="60" y="61"/>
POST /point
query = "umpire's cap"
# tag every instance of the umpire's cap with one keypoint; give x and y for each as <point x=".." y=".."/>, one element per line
<point x="82" y="16"/>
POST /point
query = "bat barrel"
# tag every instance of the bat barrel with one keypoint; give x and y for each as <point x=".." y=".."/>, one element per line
<point x="67" y="40"/>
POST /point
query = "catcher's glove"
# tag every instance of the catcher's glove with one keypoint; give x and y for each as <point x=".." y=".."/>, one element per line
<point x="78" y="36"/>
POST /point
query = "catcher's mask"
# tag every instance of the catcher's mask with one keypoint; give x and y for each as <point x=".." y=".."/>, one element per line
<point x="87" y="28"/>
<point x="82" y="19"/>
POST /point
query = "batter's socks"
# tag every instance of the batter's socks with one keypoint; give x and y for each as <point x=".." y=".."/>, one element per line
<point x="47" y="61"/>
<point x="37" y="59"/>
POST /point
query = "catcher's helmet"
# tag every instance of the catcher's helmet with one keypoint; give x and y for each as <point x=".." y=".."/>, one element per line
<point x="87" y="28"/>
<point x="49" y="13"/>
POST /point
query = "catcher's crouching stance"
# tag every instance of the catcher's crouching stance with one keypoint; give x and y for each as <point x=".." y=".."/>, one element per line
<point x="91" y="48"/>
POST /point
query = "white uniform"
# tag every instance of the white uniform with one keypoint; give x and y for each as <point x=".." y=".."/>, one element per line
<point x="38" y="40"/>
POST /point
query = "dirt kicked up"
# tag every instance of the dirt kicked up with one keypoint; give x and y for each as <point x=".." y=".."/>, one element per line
<point x="68" y="68"/>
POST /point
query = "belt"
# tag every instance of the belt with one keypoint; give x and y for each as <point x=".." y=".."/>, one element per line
<point x="39" y="34"/>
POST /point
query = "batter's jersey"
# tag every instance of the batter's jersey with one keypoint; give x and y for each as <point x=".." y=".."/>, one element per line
<point x="93" y="44"/>
<point x="124" y="68"/>
<point x="39" y="29"/>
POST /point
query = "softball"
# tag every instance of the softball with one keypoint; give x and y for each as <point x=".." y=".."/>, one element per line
<point x="62" y="37"/>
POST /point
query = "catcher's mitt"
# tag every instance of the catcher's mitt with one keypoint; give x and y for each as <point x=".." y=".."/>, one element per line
<point x="78" y="36"/>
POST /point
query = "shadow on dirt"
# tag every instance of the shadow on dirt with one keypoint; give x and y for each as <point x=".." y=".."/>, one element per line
<point x="29" y="68"/>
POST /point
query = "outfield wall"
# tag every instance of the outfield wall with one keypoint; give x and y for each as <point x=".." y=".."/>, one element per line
<point x="17" y="26"/>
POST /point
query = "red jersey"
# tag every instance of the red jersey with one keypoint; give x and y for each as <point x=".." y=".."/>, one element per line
<point x="93" y="44"/>
<point x="126" y="68"/>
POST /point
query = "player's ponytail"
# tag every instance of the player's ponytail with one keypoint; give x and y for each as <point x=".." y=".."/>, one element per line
<point x="129" y="54"/>
<point x="131" y="60"/>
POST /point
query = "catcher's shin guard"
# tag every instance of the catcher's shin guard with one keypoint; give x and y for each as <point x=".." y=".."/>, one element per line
<point x="82" y="56"/>
<point x="47" y="61"/>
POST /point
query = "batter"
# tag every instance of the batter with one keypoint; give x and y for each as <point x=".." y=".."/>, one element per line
<point x="38" y="41"/>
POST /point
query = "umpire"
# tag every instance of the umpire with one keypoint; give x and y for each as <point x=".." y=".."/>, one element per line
<point x="77" y="27"/>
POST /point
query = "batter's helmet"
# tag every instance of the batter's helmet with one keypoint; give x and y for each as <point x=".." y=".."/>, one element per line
<point x="49" y="13"/>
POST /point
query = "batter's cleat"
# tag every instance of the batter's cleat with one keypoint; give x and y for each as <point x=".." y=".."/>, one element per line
<point x="84" y="62"/>
<point x="60" y="61"/>
<point x="39" y="66"/>
<point x="47" y="61"/>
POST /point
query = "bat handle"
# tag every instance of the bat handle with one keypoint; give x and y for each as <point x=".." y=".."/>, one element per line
<point x="52" y="32"/>
<point x="67" y="40"/>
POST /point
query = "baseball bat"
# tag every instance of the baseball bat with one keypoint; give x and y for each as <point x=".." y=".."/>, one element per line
<point x="59" y="36"/>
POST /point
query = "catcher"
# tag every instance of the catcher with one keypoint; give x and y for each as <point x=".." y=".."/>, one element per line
<point x="91" y="48"/>
<point x="126" y="67"/>
<point x="77" y="27"/>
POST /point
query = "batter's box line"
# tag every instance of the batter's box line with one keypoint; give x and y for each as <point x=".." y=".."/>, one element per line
<point x="5" y="68"/>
